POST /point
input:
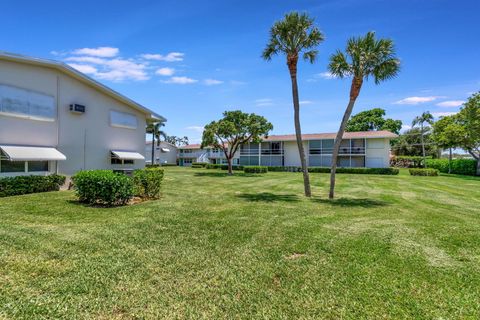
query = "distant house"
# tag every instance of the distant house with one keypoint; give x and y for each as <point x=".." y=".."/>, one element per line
<point x="358" y="149"/>
<point x="54" y="118"/>
<point x="165" y="153"/>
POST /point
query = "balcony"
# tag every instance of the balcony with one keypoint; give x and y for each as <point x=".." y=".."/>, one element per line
<point x="343" y="151"/>
<point x="263" y="152"/>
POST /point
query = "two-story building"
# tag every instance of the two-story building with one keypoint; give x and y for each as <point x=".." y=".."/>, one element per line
<point x="54" y="118"/>
<point x="188" y="154"/>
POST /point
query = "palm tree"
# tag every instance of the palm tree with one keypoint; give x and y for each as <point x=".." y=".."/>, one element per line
<point x="292" y="36"/>
<point x="425" y="117"/>
<point x="154" y="129"/>
<point x="364" y="57"/>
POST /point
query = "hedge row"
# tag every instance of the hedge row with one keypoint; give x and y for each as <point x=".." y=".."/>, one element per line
<point x="199" y="164"/>
<point x="12" y="186"/>
<point x="106" y="187"/>
<point x="423" y="172"/>
<point x="407" y="161"/>
<point x="385" y="171"/>
<point x="459" y="166"/>
<point x="255" y="169"/>
<point x="222" y="166"/>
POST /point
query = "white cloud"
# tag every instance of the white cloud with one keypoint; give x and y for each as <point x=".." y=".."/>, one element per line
<point x="170" y="57"/>
<point x="451" y="103"/>
<point x="303" y="102"/>
<point x="416" y="100"/>
<point x="180" y="80"/>
<point x="212" y="82"/>
<point x="324" y="75"/>
<point x="104" y="52"/>
<point x="195" y="128"/>
<point x="165" y="71"/>
<point x="84" y="68"/>
<point x="442" y="114"/>
<point x="265" y="102"/>
<point x="87" y="59"/>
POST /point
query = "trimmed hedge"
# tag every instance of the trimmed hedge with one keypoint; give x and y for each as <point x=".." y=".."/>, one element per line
<point x="13" y="186"/>
<point x="103" y="187"/>
<point x="255" y="169"/>
<point x="423" y="172"/>
<point x="284" y="169"/>
<point x="384" y="171"/>
<point x="199" y="164"/>
<point x="459" y="166"/>
<point x="407" y="161"/>
<point x="222" y="166"/>
<point x="168" y="165"/>
<point x="147" y="182"/>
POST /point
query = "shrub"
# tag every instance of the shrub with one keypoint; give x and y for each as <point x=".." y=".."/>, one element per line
<point x="384" y="171"/>
<point x="152" y="166"/>
<point x="147" y="182"/>
<point x="234" y="167"/>
<point x="213" y="166"/>
<point x="459" y="166"/>
<point x="12" y="186"/>
<point x="199" y="164"/>
<point x="407" y="161"/>
<point x="423" y="172"/>
<point x="168" y="165"/>
<point x="255" y="169"/>
<point x="103" y="187"/>
<point x="284" y="169"/>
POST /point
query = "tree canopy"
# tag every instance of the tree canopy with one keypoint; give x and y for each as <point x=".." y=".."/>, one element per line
<point x="373" y="120"/>
<point x="177" y="141"/>
<point x="233" y="130"/>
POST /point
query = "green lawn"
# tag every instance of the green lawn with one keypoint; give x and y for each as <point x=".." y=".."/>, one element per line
<point x="248" y="247"/>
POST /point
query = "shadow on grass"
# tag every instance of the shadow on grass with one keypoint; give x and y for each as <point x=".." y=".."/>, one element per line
<point x="225" y="174"/>
<point x="352" y="202"/>
<point x="268" y="197"/>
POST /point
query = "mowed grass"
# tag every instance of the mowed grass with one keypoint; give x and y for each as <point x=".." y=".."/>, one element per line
<point x="246" y="247"/>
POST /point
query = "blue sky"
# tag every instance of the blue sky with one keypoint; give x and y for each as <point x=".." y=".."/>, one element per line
<point x="191" y="60"/>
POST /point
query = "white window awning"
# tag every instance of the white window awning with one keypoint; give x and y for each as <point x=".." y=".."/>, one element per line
<point x="127" y="155"/>
<point x="165" y="150"/>
<point x="24" y="153"/>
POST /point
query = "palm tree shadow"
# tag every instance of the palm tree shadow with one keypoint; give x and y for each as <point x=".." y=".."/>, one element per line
<point x="268" y="197"/>
<point x="352" y="202"/>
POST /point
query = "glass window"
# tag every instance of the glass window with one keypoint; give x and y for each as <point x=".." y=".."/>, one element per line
<point x="358" y="162"/>
<point x="128" y="161"/>
<point x="343" y="162"/>
<point x="327" y="146"/>
<point x="315" y="146"/>
<point x="123" y="120"/>
<point x="37" y="166"/>
<point x="12" y="166"/>
<point x="26" y="104"/>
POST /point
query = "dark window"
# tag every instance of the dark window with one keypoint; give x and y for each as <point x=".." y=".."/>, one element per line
<point x="128" y="161"/>
<point x="37" y="166"/>
<point x="115" y="160"/>
<point x="12" y="166"/>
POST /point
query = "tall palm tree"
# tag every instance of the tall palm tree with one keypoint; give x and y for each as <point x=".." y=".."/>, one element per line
<point x="364" y="57"/>
<point x="292" y="36"/>
<point x="154" y="129"/>
<point x="425" y="117"/>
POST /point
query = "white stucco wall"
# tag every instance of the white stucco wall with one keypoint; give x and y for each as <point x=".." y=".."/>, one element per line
<point x="291" y="155"/>
<point x="377" y="153"/>
<point x="86" y="139"/>
<point x="161" y="157"/>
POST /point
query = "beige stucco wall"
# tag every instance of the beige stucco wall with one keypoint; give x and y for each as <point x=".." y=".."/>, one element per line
<point x="86" y="140"/>
<point x="377" y="153"/>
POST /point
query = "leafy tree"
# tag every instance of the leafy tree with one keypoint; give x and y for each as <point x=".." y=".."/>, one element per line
<point x="409" y="143"/>
<point x="154" y="129"/>
<point x="424" y="118"/>
<point x="177" y="141"/>
<point x="293" y="36"/>
<point x="233" y="130"/>
<point x="364" y="57"/>
<point x="373" y="120"/>
<point x="448" y="134"/>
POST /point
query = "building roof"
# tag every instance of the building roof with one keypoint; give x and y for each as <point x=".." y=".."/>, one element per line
<point x="162" y="142"/>
<point x="65" y="68"/>
<point x="346" y="135"/>
<point x="190" y="146"/>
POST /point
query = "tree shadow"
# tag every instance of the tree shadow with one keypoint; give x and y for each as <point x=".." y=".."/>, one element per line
<point x="268" y="197"/>
<point x="352" y="202"/>
<point x="225" y="174"/>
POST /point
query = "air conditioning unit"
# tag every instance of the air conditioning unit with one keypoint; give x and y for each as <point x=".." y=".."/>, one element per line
<point x="77" y="108"/>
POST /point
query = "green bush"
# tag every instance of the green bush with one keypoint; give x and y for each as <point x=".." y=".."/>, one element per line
<point x="234" y="167"/>
<point x="459" y="166"/>
<point x="384" y="171"/>
<point x="147" y="182"/>
<point x="423" y="172"/>
<point x="199" y="164"/>
<point x="103" y="187"/>
<point x="407" y="161"/>
<point x="213" y="166"/>
<point x="284" y="169"/>
<point x="168" y="165"/>
<point x="12" y="186"/>
<point x="152" y="166"/>
<point x="255" y="169"/>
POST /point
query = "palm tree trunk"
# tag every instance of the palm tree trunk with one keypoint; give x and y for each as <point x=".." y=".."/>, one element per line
<point x="423" y="145"/>
<point x="354" y="92"/>
<point x="336" y="146"/>
<point x="153" y="148"/>
<point x="298" y="131"/>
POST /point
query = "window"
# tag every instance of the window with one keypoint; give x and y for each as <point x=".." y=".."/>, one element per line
<point x="115" y="160"/>
<point x="12" y="166"/>
<point x="123" y="120"/>
<point x="18" y="102"/>
<point x="185" y="161"/>
<point x="37" y="166"/>
<point x="315" y="146"/>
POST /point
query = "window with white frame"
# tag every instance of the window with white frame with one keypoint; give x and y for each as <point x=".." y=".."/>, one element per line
<point x="7" y="166"/>
<point x="123" y="120"/>
<point x="22" y="103"/>
<point x="115" y="160"/>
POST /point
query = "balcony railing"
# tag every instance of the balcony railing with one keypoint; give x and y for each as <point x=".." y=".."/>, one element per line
<point x="263" y="152"/>
<point x="343" y="151"/>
